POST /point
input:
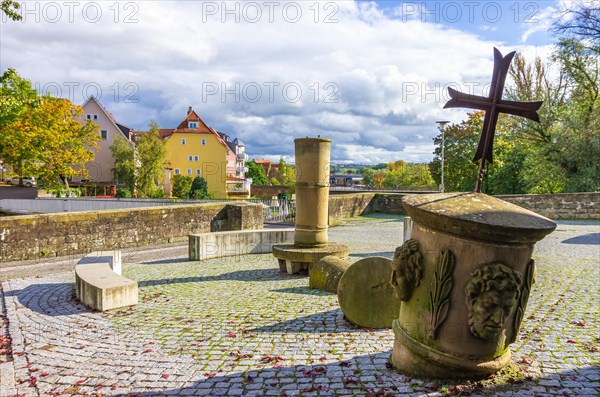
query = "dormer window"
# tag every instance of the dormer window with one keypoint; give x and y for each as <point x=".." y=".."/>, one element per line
<point x="192" y="124"/>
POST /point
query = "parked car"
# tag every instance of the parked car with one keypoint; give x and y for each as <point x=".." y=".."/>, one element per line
<point x="27" y="181"/>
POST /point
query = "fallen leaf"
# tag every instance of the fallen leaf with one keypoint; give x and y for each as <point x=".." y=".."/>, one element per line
<point x="165" y="376"/>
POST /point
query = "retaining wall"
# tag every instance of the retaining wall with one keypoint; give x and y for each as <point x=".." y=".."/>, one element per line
<point x="36" y="236"/>
<point x="560" y="206"/>
<point x="553" y="206"/>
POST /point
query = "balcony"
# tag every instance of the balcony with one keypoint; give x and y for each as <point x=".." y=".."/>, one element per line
<point x="238" y="187"/>
<point x="242" y="156"/>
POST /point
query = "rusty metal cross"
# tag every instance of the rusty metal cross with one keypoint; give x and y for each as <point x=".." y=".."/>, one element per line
<point x="493" y="105"/>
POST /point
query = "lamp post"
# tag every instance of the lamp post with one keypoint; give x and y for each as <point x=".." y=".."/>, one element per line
<point x="442" y="128"/>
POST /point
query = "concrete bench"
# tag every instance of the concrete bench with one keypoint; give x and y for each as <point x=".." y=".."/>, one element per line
<point x="99" y="284"/>
<point x="238" y="242"/>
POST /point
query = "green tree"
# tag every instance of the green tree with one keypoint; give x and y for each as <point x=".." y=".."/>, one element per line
<point x="125" y="165"/>
<point x="460" y="144"/>
<point x="367" y="176"/>
<point x="182" y="186"/>
<point x="199" y="189"/>
<point x="10" y="7"/>
<point x="287" y="175"/>
<point x="151" y="155"/>
<point x="257" y="173"/>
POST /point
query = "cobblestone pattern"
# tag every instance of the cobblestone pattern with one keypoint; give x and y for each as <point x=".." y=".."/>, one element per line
<point x="236" y="326"/>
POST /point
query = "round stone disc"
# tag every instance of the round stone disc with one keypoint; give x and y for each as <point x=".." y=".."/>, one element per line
<point x="365" y="294"/>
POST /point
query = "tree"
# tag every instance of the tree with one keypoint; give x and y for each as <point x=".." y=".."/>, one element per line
<point x="199" y="189"/>
<point x="580" y="21"/>
<point x="182" y="186"/>
<point x="10" y="7"/>
<point x="125" y="165"/>
<point x="367" y="176"/>
<point x="257" y="173"/>
<point x="151" y="155"/>
<point x="67" y="144"/>
<point x="40" y="136"/>
<point x="287" y="175"/>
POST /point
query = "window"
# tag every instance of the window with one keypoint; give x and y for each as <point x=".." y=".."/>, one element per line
<point x="189" y="171"/>
<point x="203" y="142"/>
<point x="176" y="171"/>
<point x="88" y="116"/>
<point x="196" y="158"/>
<point x="197" y="171"/>
<point x="104" y="134"/>
<point x="95" y="117"/>
<point x="192" y="124"/>
<point x="190" y="157"/>
<point x="183" y="141"/>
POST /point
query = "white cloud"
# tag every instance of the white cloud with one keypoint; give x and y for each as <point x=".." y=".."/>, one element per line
<point x="372" y="82"/>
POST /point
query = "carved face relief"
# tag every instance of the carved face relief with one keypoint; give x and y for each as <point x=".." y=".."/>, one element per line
<point x="407" y="269"/>
<point x="491" y="295"/>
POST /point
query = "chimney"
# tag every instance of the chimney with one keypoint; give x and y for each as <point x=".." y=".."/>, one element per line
<point x="189" y="110"/>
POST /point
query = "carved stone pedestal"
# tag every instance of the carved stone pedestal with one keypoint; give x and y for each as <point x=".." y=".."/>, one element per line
<point x="464" y="279"/>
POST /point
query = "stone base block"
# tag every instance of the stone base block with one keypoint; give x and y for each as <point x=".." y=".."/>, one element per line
<point x="294" y="259"/>
<point x="414" y="358"/>
<point x="240" y="242"/>
<point x="366" y="295"/>
<point x="98" y="287"/>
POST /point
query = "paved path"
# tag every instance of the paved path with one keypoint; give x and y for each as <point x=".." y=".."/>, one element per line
<point x="236" y="326"/>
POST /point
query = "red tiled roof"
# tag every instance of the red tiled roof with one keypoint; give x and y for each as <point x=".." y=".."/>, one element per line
<point x="165" y="132"/>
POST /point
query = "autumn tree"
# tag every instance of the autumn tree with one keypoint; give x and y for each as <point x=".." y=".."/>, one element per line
<point x="40" y="136"/>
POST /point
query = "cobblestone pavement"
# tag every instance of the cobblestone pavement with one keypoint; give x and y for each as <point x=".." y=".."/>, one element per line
<point x="236" y="326"/>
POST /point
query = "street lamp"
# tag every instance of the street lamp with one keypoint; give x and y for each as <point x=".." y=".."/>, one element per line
<point x="442" y="128"/>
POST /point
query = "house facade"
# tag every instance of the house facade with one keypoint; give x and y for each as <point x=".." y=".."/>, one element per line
<point x="101" y="170"/>
<point x="237" y="183"/>
<point x="195" y="149"/>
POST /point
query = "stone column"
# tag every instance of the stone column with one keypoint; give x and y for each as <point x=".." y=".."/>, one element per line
<point x="312" y="191"/>
<point x="312" y="210"/>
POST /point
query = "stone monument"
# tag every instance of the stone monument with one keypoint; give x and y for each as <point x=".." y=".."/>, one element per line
<point x="464" y="281"/>
<point x="465" y="274"/>
<point x="311" y="242"/>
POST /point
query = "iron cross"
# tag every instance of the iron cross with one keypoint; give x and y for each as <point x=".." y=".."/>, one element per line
<point x="493" y="105"/>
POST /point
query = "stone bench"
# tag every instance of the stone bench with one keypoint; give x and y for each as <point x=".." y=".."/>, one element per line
<point x="238" y="242"/>
<point x="99" y="284"/>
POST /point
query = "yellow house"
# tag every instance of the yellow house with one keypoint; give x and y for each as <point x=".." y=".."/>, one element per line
<point x="194" y="149"/>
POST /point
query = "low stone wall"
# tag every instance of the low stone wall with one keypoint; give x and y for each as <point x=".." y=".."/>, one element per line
<point x="559" y="206"/>
<point x="344" y="206"/>
<point x="37" y="236"/>
<point x="265" y="191"/>
<point x="553" y="206"/>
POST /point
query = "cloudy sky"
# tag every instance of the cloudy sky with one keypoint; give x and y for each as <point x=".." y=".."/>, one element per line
<point x="372" y="76"/>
